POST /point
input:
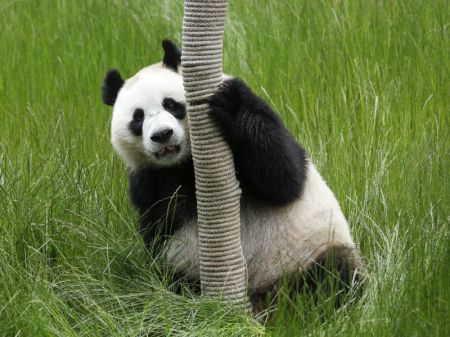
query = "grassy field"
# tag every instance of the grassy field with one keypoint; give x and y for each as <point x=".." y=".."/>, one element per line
<point x="364" y="85"/>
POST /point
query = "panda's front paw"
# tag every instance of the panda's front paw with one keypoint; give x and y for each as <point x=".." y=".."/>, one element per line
<point x="225" y="103"/>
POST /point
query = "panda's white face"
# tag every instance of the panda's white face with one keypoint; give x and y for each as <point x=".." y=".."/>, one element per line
<point x="149" y="123"/>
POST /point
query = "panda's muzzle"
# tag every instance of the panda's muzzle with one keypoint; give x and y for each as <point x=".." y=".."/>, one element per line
<point x="162" y="137"/>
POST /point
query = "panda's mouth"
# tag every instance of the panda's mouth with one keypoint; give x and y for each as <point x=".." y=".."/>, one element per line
<point x="167" y="150"/>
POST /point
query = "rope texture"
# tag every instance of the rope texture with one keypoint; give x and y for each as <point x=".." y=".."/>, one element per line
<point x="222" y="266"/>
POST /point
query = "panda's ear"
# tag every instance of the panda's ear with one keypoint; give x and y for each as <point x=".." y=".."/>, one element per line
<point x="111" y="85"/>
<point x="172" y="55"/>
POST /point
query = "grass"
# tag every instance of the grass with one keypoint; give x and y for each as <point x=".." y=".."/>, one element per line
<point x="363" y="85"/>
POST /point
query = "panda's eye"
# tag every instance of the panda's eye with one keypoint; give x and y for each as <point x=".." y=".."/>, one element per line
<point x="138" y="115"/>
<point x="169" y="104"/>
<point x="175" y="108"/>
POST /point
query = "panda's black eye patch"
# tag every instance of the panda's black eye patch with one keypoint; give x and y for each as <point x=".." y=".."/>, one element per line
<point x="178" y="110"/>
<point x="135" y="125"/>
<point x="138" y="115"/>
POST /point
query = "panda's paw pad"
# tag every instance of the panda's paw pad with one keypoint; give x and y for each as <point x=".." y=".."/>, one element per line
<point x="226" y="99"/>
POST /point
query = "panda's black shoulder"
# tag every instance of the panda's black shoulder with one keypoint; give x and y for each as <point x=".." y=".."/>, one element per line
<point x="149" y="185"/>
<point x="142" y="185"/>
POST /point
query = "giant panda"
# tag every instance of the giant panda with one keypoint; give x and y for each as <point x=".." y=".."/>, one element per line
<point x="291" y="221"/>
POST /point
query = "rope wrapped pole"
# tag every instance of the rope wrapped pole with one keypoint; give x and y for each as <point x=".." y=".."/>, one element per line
<point x="222" y="265"/>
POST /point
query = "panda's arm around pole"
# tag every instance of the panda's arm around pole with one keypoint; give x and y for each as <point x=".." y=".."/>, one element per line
<point x="269" y="161"/>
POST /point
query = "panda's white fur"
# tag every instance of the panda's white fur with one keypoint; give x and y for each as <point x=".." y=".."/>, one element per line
<point x="277" y="240"/>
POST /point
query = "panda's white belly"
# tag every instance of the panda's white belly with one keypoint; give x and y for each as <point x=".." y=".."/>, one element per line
<point x="276" y="240"/>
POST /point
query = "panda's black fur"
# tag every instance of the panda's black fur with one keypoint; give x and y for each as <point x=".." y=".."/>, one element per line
<point x="111" y="85"/>
<point x="273" y="170"/>
<point x="269" y="161"/>
<point x="164" y="197"/>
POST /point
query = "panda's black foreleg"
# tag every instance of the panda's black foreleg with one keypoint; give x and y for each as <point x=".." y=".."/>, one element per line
<point x="269" y="161"/>
<point x="165" y="199"/>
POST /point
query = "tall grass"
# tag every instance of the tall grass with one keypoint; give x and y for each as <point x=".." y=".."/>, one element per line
<point x="363" y="85"/>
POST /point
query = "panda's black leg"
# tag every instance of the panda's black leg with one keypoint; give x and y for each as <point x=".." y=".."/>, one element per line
<point x="336" y="272"/>
<point x="335" y="276"/>
<point x="269" y="162"/>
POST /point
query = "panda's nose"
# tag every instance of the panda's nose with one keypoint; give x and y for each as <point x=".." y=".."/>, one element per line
<point x="162" y="135"/>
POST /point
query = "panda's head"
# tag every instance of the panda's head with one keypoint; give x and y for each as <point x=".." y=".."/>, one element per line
<point x="149" y="123"/>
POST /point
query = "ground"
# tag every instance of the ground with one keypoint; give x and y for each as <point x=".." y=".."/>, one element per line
<point x="363" y="85"/>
